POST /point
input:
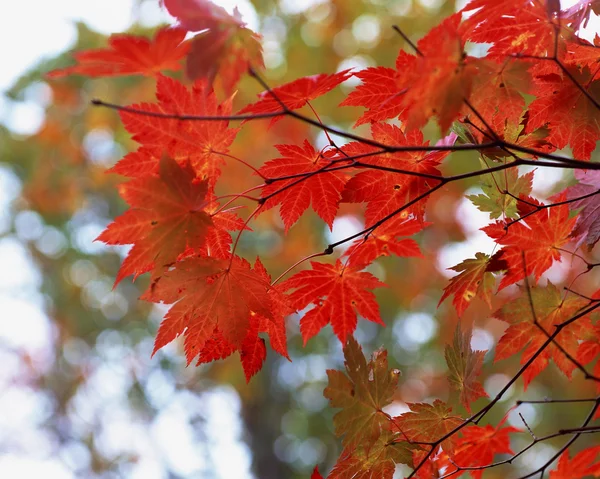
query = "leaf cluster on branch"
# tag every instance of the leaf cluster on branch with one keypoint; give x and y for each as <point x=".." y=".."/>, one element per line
<point x="535" y="91"/>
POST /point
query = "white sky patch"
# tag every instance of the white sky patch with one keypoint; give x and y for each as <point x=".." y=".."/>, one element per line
<point x="343" y="227"/>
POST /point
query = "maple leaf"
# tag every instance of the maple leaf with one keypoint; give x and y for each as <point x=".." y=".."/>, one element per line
<point x="439" y="80"/>
<point x="316" y="474"/>
<point x="478" y="445"/>
<point x="253" y="351"/>
<point x="383" y="241"/>
<point x="160" y="226"/>
<point x="544" y="232"/>
<point x="139" y="163"/>
<point x="428" y="423"/>
<point x="338" y="294"/>
<point x="225" y="47"/>
<point x="583" y="54"/>
<point x="581" y="466"/>
<point x="589" y="349"/>
<point x="386" y="191"/>
<point x="323" y="190"/>
<point x="497" y="93"/>
<point x="464" y="365"/>
<point x="572" y="119"/>
<point x="378" y="93"/>
<point x="512" y="26"/>
<point x="435" y="83"/>
<point x="195" y="141"/>
<point x="429" y="464"/>
<point x="475" y="280"/>
<point x="131" y="55"/>
<point x="495" y="187"/>
<point x="295" y="94"/>
<point x="361" y="394"/>
<point x="209" y="293"/>
<point x="551" y="309"/>
<point x="587" y="227"/>
<point x="379" y="462"/>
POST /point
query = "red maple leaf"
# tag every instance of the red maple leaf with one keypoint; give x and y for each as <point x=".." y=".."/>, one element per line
<point x="583" y="54"/>
<point x="160" y="226"/>
<point x="478" y="445"/>
<point x="383" y="241"/>
<point x="338" y="294"/>
<point x="581" y="466"/>
<point x="379" y="93"/>
<point x="589" y="350"/>
<point x="475" y="279"/>
<point x="252" y="349"/>
<point x="572" y="119"/>
<point x="316" y="474"/>
<point x="225" y="47"/>
<point x="497" y="94"/>
<point x="131" y="55"/>
<point x="210" y="293"/>
<point x="537" y="237"/>
<point x="195" y="141"/>
<point x="432" y="84"/>
<point x="387" y="191"/>
<point x="512" y="26"/>
<point x="295" y="194"/>
<point x="295" y="94"/>
<point x="439" y="80"/>
<point x="551" y="309"/>
<point x="137" y="164"/>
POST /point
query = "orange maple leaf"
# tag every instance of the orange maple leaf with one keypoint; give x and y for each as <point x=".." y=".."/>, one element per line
<point x="131" y="55"/>
<point x="163" y="226"/>
<point x="475" y="279"/>
<point x="198" y="142"/>
<point x="338" y="294"/>
<point x="387" y="191"/>
<point x="384" y="241"/>
<point x="551" y="309"/>
<point x="362" y="394"/>
<point x="512" y="26"/>
<point x="378" y="92"/>
<point x="572" y="119"/>
<point x="478" y="445"/>
<point x="295" y="94"/>
<point x="225" y="48"/>
<point x="431" y="84"/>
<point x="538" y="237"/>
<point x="428" y="423"/>
<point x="589" y="349"/>
<point x="582" y="465"/>
<point x="209" y="293"/>
<point x="252" y="350"/>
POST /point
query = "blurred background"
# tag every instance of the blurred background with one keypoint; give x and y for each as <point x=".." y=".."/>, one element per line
<point x="80" y="396"/>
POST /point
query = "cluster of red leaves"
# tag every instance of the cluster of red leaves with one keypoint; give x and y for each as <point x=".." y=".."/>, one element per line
<point x="222" y="304"/>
